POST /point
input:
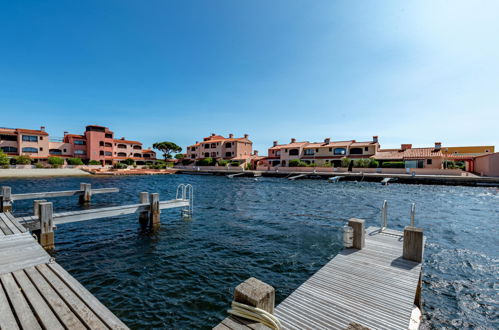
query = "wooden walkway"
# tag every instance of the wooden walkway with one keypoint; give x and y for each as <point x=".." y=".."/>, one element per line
<point x="37" y="293"/>
<point x="373" y="287"/>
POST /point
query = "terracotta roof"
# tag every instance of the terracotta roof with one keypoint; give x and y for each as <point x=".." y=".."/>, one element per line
<point x="290" y="145"/>
<point x="75" y="136"/>
<point x="127" y="141"/>
<point x="145" y="151"/>
<point x="225" y="140"/>
<point x="362" y="144"/>
<point x="214" y="137"/>
<point x="32" y="131"/>
<point x="412" y="153"/>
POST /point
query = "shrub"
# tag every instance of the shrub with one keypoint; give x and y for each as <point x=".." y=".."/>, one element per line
<point x="297" y="163"/>
<point x="23" y="160"/>
<point x="129" y="161"/>
<point x="247" y="166"/>
<point x="206" y="162"/>
<point x="235" y="163"/>
<point x="120" y="166"/>
<point x="39" y="165"/>
<point x="361" y="163"/>
<point x="4" y="160"/>
<point x="222" y="162"/>
<point x="393" y="164"/>
<point x="373" y="163"/>
<point x="56" y="161"/>
<point x="74" y="161"/>
<point x="186" y="161"/>
<point x="179" y="156"/>
<point x="94" y="162"/>
<point x="345" y="161"/>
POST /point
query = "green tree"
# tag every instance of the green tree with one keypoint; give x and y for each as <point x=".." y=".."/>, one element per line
<point x="129" y="161"/>
<point x="179" y="156"/>
<point x="167" y="148"/>
<point x="75" y="161"/>
<point x="4" y="160"/>
<point x="94" y="162"/>
<point x="56" y="161"/>
<point x="345" y="161"/>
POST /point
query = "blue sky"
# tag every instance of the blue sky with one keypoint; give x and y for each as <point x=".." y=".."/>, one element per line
<point x="408" y="71"/>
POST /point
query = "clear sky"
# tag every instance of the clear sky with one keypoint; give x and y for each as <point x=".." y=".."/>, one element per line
<point x="408" y="71"/>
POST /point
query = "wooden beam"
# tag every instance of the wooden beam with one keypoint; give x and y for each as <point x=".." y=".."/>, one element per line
<point x="87" y="193"/>
<point x="154" y="210"/>
<point x="64" y="193"/>
<point x="36" y="206"/>
<point x="7" y="198"/>
<point x="46" y="226"/>
<point x="359" y="233"/>
<point x="256" y="293"/>
<point x="413" y="244"/>
<point x="144" y="215"/>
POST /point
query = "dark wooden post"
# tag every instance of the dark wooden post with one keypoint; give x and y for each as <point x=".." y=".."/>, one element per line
<point x="144" y="215"/>
<point x="359" y="233"/>
<point x="36" y="206"/>
<point x="256" y="293"/>
<point x="413" y="244"/>
<point x="87" y="193"/>
<point x="46" y="226"/>
<point x="154" y="210"/>
<point x="1" y="203"/>
<point x="7" y="199"/>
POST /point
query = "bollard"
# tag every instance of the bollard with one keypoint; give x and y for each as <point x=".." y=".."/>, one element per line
<point x="413" y="244"/>
<point x="154" y="210"/>
<point x="7" y="199"/>
<point x="46" y="226"/>
<point x="359" y="233"/>
<point x="36" y="206"/>
<point x="87" y="193"/>
<point x="144" y="215"/>
<point x="256" y="293"/>
<point x="1" y="203"/>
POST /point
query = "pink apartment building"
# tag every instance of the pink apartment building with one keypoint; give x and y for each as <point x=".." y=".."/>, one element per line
<point x="96" y="143"/>
<point x="219" y="147"/>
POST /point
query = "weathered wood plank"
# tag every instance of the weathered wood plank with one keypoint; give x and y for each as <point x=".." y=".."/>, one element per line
<point x="16" y="223"/>
<point x="44" y="313"/>
<point x="21" y="307"/>
<point x="7" y="318"/>
<point x="20" y="251"/>
<point x="3" y="226"/>
<point x="105" y="314"/>
<point x="66" y="193"/>
<point x="72" y="300"/>
<point x="63" y="312"/>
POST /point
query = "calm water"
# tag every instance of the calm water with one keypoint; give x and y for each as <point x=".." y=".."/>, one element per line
<point x="276" y="230"/>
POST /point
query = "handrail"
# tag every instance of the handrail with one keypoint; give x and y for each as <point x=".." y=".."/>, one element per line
<point x="384" y="215"/>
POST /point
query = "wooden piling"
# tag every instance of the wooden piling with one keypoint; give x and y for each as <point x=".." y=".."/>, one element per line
<point x="413" y="244"/>
<point x="7" y="199"/>
<point x="144" y="216"/>
<point x="46" y="225"/>
<point x="87" y="193"/>
<point x="359" y="233"/>
<point x="256" y="293"/>
<point x="154" y="210"/>
<point x="36" y="206"/>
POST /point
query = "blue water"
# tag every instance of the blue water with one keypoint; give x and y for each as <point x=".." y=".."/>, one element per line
<point x="276" y="230"/>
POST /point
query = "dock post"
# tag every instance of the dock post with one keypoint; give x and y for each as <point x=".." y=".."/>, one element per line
<point x="36" y="206"/>
<point x="144" y="215"/>
<point x="413" y="244"/>
<point x="7" y="199"/>
<point x="46" y="226"/>
<point x="154" y="210"/>
<point x="256" y="293"/>
<point x="359" y="233"/>
<point x="87" y="193"/>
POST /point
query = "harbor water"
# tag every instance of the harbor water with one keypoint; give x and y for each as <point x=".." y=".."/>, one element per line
<point x="279" y="231"/>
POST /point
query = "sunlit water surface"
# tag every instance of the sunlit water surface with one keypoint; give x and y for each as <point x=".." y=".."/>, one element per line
<point x="276" y="230"/>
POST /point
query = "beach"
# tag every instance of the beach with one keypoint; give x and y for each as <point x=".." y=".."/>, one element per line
<point x="40" y="172"/>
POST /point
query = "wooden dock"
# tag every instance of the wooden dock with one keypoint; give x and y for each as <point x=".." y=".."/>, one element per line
<point x="37" y="293"/>
<point x="373" y="287"/>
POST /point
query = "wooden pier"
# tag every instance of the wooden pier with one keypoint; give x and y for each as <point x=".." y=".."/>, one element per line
<point x="372" y="285"/>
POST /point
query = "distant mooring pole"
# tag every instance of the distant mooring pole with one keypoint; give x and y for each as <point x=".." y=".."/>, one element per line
<point x="87" y="193"/>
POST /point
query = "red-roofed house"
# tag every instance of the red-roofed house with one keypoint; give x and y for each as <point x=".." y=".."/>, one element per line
<point x="219" y="147"/>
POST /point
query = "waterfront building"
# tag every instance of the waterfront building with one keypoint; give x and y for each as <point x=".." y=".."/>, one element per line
<point x="97" y="143"/>
<point x="219" y="147"/>
<point x="320" y="153"/>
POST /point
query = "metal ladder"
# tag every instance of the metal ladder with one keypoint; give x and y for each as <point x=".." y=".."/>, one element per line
<point x="185" y="192"/>
<point x="384" y="215"/>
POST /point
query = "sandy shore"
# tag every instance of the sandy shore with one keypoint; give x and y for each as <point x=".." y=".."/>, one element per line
<point x="40" y="172"/>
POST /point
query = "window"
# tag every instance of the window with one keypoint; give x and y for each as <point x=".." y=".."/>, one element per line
<point x="121" y="154"/>
<point x="101" y="153"/>
<point x="356" y="151"/>
<point x="228" y="145"/>
<point x="149" y="156"/>
<point x="309" y="152"/>
<point x="206" y="154"/>
<point x="228" y="154"/>
<point x="366" y="148"/>
<point x="207" y="146"/>
<point x="192" y="156"/>
<point x="55" y="151"/>
<point x="193" y="149"/>
<point x="428" y="162"/>
<point x="213" y="145"/>
<point x="137" y="155"/>
<point x="41" y="149"/>
<point x="340" y="151"/>
<point x="121" y="146"/>
<point x="8" y="137"/>
<point x="30" y="150"/>
<point x="109" y="136"/>
<point x="80" y="152"/>
<point x="41" y="138"/>
<point x="9" y="149"/>
<point x="108" y="153"/>
<point x="107" y="144"/>
<point x="213" y="154"/>
<point x="79" y="143"/>
<point x="330" y="149"/>
<point x="64" y="150"/>
<point x="137" y="147"/>
<point x="30" y="138"/>
<point x="294" y="152"/>
<point x="101" y="143"/>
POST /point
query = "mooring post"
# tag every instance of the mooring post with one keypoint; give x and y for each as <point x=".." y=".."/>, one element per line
<point x="256" y="293"/>
<point x="1" y="203"/>
<point x="46" y="225"/>
<point x="36" y="206"/>
<point x="7" y="199"/>
<point x="154" y="210"/>
<point x="87" y="193"/>
<point x="359" y="233"/>
<point x="413" y="244"/>
<point x="144" y="215"/>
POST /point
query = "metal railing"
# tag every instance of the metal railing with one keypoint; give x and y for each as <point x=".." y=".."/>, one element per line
<point x="186" y="192"/>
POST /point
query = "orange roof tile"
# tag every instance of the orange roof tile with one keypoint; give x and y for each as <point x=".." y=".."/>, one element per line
<point x="127" y="141"/>
<point x="32" y="131"/>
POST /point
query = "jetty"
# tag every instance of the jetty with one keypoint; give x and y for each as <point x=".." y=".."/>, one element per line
<point x="35" y="291"/>
<point x="374" y="284"/>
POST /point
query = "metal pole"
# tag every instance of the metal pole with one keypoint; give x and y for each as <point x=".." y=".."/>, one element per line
<point x="384" y="215"/>
<point x="413" y="213"/>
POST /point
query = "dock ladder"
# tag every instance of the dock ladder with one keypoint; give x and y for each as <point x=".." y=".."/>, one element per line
<point x="186" y="192"/>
